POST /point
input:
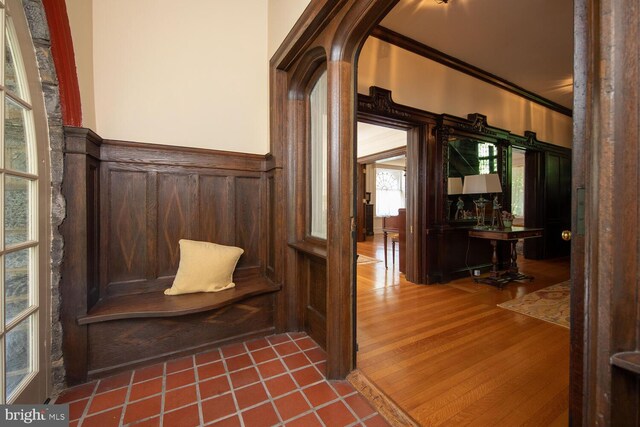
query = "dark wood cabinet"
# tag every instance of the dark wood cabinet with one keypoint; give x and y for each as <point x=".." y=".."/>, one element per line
<point x="368" y="219"/>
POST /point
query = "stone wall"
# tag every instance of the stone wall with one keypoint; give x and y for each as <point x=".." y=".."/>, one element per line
<point x="39" y="28"/>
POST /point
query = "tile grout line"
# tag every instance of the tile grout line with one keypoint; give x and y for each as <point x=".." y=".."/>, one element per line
<point x="312" y="408"/>
<point x="344" y="401"/>
<point x="228" y="378"/>
<point x="264" y="386"/>
<point x="126" y="400"/>
<point x="260" y="381"/>
<point x="164" y="394"/>
<point x="231" y="388"/>
<point x="86" y="409"/>
<point x="197" y="385"/>
<point x="341" y="398"/>
<point x="301" y="389"/>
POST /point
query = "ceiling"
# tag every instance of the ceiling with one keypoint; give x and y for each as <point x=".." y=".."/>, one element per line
<point x="374" y="139"/>
<point x="528" y="42"/>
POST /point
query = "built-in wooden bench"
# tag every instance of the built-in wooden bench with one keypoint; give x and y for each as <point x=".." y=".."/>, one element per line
<point x="157" y="304"/>
<point x="128" y="206"/>
<point x="126" y="331"/>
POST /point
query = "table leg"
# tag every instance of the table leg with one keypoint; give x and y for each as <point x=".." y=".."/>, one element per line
<point x="514" y="257"/>
<point x="385" y="249"/>
<point x="494" y="260"/>
<point x="393" y="252"/>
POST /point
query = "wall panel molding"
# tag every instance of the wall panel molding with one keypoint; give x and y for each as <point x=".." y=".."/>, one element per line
<point x="155" y="195"/>
<point x="169" y="155"/>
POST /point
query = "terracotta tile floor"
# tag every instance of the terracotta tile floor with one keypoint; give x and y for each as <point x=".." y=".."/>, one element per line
<point x="278" y="380"/>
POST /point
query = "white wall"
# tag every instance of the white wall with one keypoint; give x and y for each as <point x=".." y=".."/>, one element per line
<point x="194" y="75"/>
<point x="189" y="74"/>
<point x="428" y="85"/>
<point x="80" y="13"/>
<point x="283" y="14"/>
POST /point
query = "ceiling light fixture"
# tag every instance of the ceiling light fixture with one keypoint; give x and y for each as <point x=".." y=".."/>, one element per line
<point x="442" y="1"/>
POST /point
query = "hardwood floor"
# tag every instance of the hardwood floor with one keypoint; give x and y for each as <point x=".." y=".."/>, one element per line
<point x="447" y="355"/>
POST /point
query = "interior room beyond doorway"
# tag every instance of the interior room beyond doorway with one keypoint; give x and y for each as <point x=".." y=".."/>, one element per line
<point x="382" y="183"/>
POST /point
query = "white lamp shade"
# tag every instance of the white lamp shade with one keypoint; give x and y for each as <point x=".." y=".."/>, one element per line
<point x="454" y="186"/>
<point x="482" y="184"/>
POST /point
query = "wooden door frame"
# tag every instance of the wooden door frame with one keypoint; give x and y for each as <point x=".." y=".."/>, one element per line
<point x="339" y="27"/>
<point x="605" y="253"/>
<point x="604" y="292"/>
<point x="379" y="109"/>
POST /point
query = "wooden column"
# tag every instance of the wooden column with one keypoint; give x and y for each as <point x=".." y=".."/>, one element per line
<point x="79" y="286"/>
<point x="356" y="22"/>
<point x="606" y="252"/>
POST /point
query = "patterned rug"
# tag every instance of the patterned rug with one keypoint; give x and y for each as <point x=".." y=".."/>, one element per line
<point x="362" y="259"/>
<point x="550" y="304"/>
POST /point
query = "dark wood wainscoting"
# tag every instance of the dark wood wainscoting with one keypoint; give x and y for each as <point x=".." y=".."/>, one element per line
<point x="128" y="206"/>
<point x="315" y="299"/>
<point x="148" y="206"/>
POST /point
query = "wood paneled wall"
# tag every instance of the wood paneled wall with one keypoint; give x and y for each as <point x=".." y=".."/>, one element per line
<point x="148" y="204"/>
<point x="128" y="205"/>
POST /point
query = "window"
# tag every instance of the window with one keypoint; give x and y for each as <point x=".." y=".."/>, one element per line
<point x="517" y="184"/>
<point x="487" y="159"/>
<point x="318" y="153"/>
<point x="390" y="187"/>
<point x="19" y="236"/>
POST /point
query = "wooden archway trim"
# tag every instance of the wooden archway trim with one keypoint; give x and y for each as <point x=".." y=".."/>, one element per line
<point x="64" y="61"/>
<point x="340" y="27"/>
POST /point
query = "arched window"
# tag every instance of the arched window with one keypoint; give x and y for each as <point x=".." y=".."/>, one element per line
<point x="318" y="156"/>
<point x="20" y="323"/>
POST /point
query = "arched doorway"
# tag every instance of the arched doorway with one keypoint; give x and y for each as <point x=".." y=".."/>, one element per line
<point x="603" y="30"/>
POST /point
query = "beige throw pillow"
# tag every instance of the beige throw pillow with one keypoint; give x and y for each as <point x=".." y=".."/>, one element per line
<point x="204" y="267"/>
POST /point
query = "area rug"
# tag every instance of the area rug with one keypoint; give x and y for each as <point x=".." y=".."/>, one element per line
<point x="362" y="259"/>
<point x="550" y="304"/>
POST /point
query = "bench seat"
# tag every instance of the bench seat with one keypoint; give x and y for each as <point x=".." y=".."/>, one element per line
<point x="156" y="304"/>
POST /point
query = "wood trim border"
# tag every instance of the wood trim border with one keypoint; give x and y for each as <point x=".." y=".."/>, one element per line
<point x="82" y="141"/>
<point x="393" y="152"/>
<point x="64" y="60"/>
<point x="310" y="24"/>
<point x="382" y="403"/>
<point x="157" y="154"/>
<point x="584" y="65"/>
<point x="428" y="52"/>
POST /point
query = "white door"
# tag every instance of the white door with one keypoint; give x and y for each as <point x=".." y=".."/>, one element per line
<point x="22" y="344"/>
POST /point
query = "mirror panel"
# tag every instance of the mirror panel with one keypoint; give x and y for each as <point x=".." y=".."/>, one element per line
<point x="468" y="156"/>
<point x="472" y="157"/>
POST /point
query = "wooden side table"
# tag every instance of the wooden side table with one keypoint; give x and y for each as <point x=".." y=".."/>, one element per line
<point x="511" y="235"/>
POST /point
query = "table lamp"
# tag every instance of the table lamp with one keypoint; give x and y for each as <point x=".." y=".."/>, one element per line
<point x="481" y="184"/>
